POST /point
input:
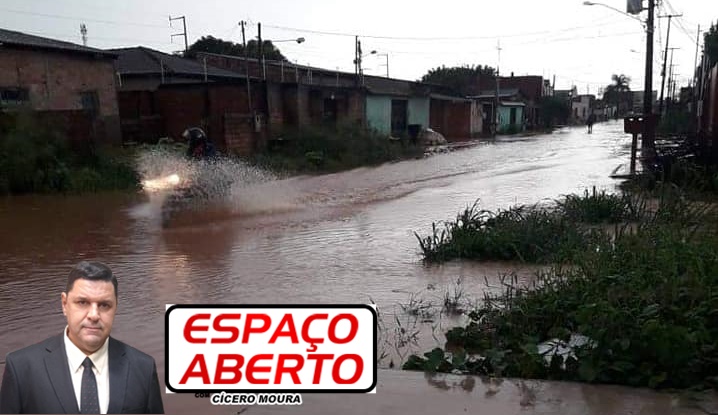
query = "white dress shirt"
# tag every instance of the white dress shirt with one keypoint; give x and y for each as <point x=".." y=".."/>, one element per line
<point x="75" y="357"/>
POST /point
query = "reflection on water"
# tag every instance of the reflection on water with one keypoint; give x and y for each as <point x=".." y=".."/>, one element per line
<point x="339" y="238"/>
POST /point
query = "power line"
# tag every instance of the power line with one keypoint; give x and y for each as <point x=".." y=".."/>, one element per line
<point x="346" y="34"/>
<point x="680" y="23"/>
<point x="57" y="16"/>
<point x="112" y="39"/>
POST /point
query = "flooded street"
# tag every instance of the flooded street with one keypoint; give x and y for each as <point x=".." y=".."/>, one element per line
<point x="340" y="238"/>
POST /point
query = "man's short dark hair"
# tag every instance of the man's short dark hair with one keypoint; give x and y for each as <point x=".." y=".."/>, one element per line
<point x="93" y="271"/>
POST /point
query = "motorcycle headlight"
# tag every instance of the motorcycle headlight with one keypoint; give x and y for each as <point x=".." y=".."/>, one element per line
<point x="162" y="183"/>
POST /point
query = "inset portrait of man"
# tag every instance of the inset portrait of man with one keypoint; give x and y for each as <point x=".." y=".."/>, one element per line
<point x="83" y="369"/>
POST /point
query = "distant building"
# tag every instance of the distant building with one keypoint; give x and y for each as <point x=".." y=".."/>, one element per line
<point x="582" y="106"/>
<point x="637" y="101"/>
<point x="511" y="112"/>
<point x="73" y="85"/>
<point x="547" y="88"/>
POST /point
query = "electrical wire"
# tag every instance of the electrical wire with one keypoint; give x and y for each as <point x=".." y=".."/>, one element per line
<point x="427" y="39"/>
<point x="57" y="16"/>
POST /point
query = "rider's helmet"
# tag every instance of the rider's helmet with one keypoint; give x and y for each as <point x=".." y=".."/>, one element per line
<point x="197" y="140"/>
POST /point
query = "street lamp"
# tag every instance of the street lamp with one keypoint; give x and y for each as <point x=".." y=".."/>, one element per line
<point x="591" y="3"/>
<point x="647" y="139"/>
<point x="298" y="40"/>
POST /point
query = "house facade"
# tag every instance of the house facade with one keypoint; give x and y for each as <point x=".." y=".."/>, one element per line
<point x="394" y="107"/>
<point x="582" y="107"/>
<point x="71" y="84"/>
<point x="531" y="87"/>
<point x="458" y="119"/>
<point x="511" y="110"/>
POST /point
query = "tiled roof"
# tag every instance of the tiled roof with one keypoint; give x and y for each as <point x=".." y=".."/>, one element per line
<point x="140" y="60"/>
<point x="9" y="37"/>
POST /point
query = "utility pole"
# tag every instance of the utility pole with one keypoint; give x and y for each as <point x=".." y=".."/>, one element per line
<point x="695" y="61"/>
<point x="83" y="31"/>
<point x="693" y="83"/>
<point x="670" y="74"/>
<point x="184" y="33"/>
<point x="665" y="57"/>
<point x="246" y="65"/>
<point x="497" y="100"/>
<point x="360" y="71"/>
<point x="671" y="84"/>
<point x="675" y="81"/>
<point x="261" y="50"/>
<point x="648" y="138"/>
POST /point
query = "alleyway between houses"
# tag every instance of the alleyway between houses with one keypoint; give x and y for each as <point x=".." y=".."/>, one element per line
<point x="341" y="238"/>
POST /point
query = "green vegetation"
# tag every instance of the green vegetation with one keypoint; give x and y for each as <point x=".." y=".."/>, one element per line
<point x="527" y="233"/>
<point x="36" y="158"/>
<point x="330" y="149"/>
<point x="461" y="79"/>
<point x="637" y="305"/>
<point x="599" y="207"/>
<point x="212" y="44"/>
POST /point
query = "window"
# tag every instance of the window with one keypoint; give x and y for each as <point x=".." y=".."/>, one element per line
<point x="13" y="97"/>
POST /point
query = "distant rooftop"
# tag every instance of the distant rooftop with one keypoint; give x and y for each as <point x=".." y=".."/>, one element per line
<point x="502" y="93"/>
<point x="140" y="60"/>
<point x="24" y="40"/>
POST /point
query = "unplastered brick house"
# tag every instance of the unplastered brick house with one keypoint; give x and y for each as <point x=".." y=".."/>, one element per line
<point x="72" y="84"/>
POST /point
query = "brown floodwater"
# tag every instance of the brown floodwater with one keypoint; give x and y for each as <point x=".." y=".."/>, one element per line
<point x="341" y="238"/>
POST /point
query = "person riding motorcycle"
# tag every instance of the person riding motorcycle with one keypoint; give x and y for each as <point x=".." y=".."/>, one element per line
<point x="200" y="146"/>
<point x="208" y="179"/>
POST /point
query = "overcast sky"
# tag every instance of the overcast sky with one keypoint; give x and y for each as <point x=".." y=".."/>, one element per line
<point x="581" y="45"/>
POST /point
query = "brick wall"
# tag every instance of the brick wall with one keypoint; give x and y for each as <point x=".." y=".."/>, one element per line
<point x="356" y="111"/>
<point x="451" y="119"/>
<point x="275" y="106"/>
<point x="290" y="104"/>
<point x="222" y="110"/>
<point x="56" y="80"/>
<point x="239" y="136"/>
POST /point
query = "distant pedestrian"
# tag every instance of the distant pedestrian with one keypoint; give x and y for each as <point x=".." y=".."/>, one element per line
<point x="589" y="122"/>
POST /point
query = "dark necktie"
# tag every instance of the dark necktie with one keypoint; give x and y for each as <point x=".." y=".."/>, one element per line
<point x="89" y="402"/>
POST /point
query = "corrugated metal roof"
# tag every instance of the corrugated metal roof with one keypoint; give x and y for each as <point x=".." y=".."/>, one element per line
<point x="143" y="61"/>
<point x="502" y="93"/>
<point x="12" y="38"/>
<point x="444" y="97"/>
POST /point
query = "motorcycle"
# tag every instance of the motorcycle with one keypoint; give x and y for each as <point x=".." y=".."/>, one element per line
<point x="202" y="182"/>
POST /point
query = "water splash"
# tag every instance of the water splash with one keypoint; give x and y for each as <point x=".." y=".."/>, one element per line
<point x="210" y="190"/>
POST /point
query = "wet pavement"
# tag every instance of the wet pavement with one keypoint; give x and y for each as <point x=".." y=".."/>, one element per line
<point x="341" y="238"/>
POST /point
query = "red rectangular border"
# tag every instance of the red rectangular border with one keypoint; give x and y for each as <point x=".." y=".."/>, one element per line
<point x="244" y="306"/>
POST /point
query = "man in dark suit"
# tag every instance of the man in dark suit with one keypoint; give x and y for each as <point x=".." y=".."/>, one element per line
<point x="82" y="370"/>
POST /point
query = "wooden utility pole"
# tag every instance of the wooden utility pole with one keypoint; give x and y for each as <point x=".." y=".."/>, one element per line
<point x="246" y="66"/>
<point x="665" y="58"/>
<point x="261" y="50"/>
<point x="695" y="69"/>
<point x="356" y="60"/>
<point x="670" y="74"/>
<point x="648" y="138"/>
<point x="497" y="101"/>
